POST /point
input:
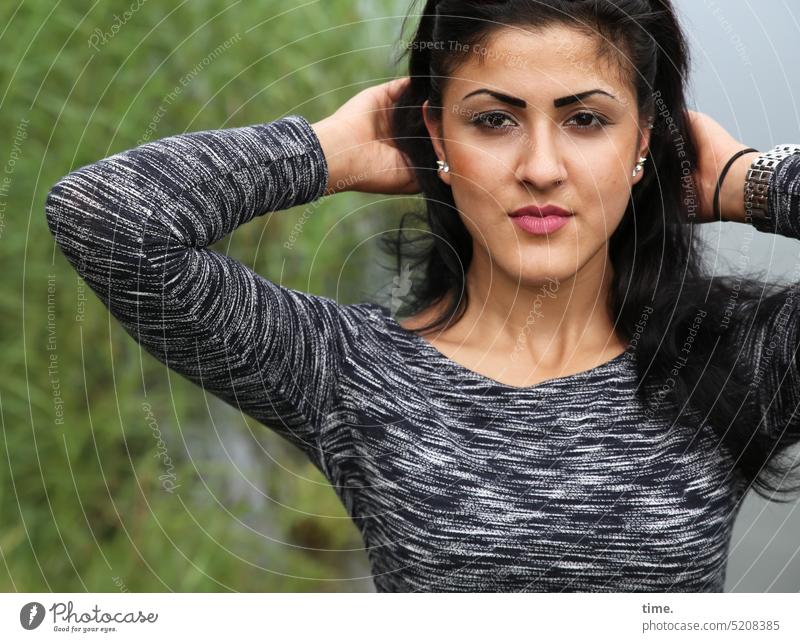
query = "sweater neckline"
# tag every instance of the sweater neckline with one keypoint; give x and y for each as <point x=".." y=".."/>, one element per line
<point x="464" y="371"/>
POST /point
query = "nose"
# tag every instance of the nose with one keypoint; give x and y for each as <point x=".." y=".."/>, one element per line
<point x="540" y="162"/>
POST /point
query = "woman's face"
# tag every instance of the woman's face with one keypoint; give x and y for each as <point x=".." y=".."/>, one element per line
<point x="511" y="149"/>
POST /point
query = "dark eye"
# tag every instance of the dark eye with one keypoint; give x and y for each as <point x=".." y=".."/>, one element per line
<point x="589" y="119"/>
<point x="491" y="120"/>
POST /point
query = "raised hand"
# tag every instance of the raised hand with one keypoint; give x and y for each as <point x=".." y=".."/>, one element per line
<point x="715" y="146"/>
<point x="359" y="147"/>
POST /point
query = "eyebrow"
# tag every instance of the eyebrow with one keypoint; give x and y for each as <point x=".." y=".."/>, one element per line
<point x="557" y="103"/>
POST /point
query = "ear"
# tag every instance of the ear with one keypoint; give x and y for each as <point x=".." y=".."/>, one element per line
<point x="644" y="151"/>
<point x="434" y="126"/>
<point x="644" y="146"/>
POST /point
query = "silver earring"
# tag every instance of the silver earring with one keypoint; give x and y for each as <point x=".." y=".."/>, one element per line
<point x="639" y="166"/>
<point x="443" y="166"/>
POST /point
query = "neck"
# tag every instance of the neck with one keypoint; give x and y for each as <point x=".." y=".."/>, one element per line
<point x="549" y="320"/>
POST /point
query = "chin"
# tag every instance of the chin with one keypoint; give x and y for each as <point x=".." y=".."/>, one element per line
<point x="545" y="275"/>
<point x="551" y="261"/>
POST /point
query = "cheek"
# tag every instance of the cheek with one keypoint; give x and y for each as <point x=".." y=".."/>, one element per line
<point x="478" y="181"/>
<point x="473" y="169"/>
<point x="617" y="200"/>
<point x="605" y="194"/>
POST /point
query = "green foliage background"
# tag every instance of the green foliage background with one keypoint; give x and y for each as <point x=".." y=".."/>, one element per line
<point x="81" y="504"/>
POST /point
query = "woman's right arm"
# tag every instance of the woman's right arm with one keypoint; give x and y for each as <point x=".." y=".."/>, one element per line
<point x="137" y="227"/>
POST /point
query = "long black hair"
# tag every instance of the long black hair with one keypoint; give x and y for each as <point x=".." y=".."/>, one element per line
<point x="662" y="296"/>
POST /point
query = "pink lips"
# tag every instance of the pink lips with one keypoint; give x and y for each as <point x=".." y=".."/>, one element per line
<point x="540" y="220"/>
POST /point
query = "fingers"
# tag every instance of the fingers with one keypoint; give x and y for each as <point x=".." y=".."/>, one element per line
<point x="394" y="88"/>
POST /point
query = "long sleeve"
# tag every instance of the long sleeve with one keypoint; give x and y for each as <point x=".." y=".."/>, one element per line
<point x="137" y="226"/>
<point x="783" y="196"/>
<point x="769" y="334"/>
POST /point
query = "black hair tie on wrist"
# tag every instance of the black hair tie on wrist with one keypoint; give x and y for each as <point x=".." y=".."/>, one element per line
<point x="717" y="215"/>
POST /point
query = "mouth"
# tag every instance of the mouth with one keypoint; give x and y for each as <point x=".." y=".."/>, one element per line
<point x="547" y="210"/>
<point x="540" y="220"/>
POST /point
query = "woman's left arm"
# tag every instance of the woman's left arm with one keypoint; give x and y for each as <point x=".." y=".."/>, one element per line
<point x="715" y="146"/>
<point x="783" y="200"/>
<point x="783" y="197"/>
<point x="767" y="329"/>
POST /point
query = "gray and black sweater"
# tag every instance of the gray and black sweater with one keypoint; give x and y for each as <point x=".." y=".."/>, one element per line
<point x="456" y="482"/>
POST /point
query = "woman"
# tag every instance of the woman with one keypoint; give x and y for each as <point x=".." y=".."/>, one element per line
<point x="573" y="404"/>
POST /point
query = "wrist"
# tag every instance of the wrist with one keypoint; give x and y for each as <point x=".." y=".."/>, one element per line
<point x="731" y="197"/>
<point x="335" y="147"/>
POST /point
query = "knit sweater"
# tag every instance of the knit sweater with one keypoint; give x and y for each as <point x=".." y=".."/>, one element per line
<point x="456" y="482"/>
